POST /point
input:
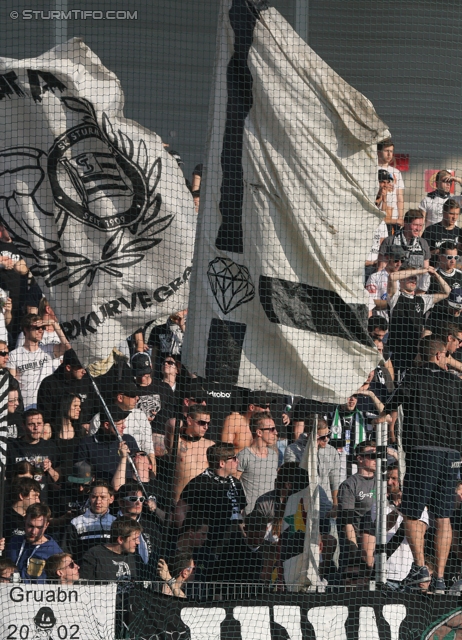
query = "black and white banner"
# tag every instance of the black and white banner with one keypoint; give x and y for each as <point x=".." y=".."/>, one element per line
<point x="287" y="217"/>
<point x="52" y="612"/>
<point x="356" y="615"/>
<point x="96" y="205"/>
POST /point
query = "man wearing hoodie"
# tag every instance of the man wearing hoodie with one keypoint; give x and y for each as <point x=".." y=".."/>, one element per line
<point x="92" y="527"/>
<point x="69" y="378"/>
<point x="31" y="551"/>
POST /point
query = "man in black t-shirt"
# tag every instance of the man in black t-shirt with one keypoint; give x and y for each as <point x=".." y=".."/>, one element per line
<point x="446" y="267"/>
<point x="156" y="398"/>
<point x="407" y="313"/>
<point x="444" y="312"/>
<point x="446" y="230"/>
<point x="431" y="398"/>
<point x="31" y="447"/>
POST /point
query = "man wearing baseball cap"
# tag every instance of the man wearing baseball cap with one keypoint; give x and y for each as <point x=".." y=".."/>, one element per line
<point x="407" y="313"/>
<point x="136" y="424"/>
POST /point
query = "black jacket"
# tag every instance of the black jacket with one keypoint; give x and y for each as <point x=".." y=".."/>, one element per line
<point x="432" y="406"/>
<point x="54" y="387"/>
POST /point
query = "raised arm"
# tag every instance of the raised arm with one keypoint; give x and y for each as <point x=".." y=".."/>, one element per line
<point x="444" y="287"/>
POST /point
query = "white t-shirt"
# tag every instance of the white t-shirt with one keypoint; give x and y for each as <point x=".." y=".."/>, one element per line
<point x="31" y="368"/>
<point x="433" y="207"/>
<point x="398" y="183"/>
<point x="49" y="337"/>
<point x="136" y="425"/>
<point x="376" y="286"/>
<point x="379" y="234"/>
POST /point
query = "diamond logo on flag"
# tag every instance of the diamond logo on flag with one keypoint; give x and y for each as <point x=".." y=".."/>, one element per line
<point x="231" y="283"/>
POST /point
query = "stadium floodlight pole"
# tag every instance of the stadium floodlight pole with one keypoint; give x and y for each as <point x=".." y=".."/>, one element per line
<point x="119" y="437"/>
<point x="381" y="497"/>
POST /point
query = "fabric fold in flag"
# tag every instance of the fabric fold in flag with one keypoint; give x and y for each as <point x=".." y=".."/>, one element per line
<point x="287" y="217"/>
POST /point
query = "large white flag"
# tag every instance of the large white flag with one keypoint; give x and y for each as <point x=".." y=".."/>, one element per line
<point x="97" y="206"/>
<point x="287" y="217"/>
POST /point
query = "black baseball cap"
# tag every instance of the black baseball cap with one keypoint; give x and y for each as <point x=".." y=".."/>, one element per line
<point x="70" y="358"/>
<point x="81" y="473"/>
<point x="396" y="252"/>
<point x="141" y="364"/>
<point x="384" y="176"/>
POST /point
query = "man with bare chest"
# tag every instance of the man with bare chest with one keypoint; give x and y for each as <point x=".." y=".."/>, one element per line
<point x="236" y="426"/>
<point x="192" y="448"/>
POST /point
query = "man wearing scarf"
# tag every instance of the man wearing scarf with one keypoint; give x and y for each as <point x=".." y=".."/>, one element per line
<point x="216" y="497"/>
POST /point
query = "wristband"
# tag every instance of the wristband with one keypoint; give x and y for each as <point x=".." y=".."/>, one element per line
<point x="171" y="582"/>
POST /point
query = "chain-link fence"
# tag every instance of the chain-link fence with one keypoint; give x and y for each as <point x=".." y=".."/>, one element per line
<point x="230" y="291"/>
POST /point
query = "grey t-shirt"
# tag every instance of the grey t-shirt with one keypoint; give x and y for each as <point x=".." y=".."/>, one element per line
<point x="328" y="469"/>
<point x="357" y="494"/>
<point x="258" y="474"/>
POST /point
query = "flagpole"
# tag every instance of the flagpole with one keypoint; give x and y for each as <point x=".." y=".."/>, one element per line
<point x="119" y="437"/>
<point x="5" y="384"/>
<point x="381" y="497"/>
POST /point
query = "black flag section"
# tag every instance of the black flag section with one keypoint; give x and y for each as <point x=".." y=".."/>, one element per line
<point x="243" y="16"/>
<point x="309" y="308"/>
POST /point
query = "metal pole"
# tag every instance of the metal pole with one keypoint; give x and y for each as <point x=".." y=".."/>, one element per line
<point x="119" y="437"/>
<point x="381" y="492"/>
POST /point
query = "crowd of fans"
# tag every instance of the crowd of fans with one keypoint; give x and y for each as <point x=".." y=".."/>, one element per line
<point x="186" y="480"/>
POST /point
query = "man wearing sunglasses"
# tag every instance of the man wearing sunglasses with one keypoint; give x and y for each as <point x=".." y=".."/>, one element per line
<point x="61" y="567"/>
<point x="258" y="464"/>
<point x="236" y="426"/>
<point x="192" y="448"/>
<point x="355" y="499"/>
<point x="31" y="363"/>
<point x="446" y="267"/>
<point x="132" y="504"/>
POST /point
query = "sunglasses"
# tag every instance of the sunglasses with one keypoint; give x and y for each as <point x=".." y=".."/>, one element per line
<point x="172" y="363"/>
<point x="4" y="353"/>
<point x="371" y="456"/>
<point x="202" y="423"/>
<point x="71" y="565"/>
<point x="450" y="257"/>
<point x="231" y="458"/>
<point x="140" y="453"/>
<point x="397" y="260"/>
<point x="135" y="499"/>
<point x="34" y="328"/>
<point x="272" y="429"/>
<point x="324" y="437"/>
